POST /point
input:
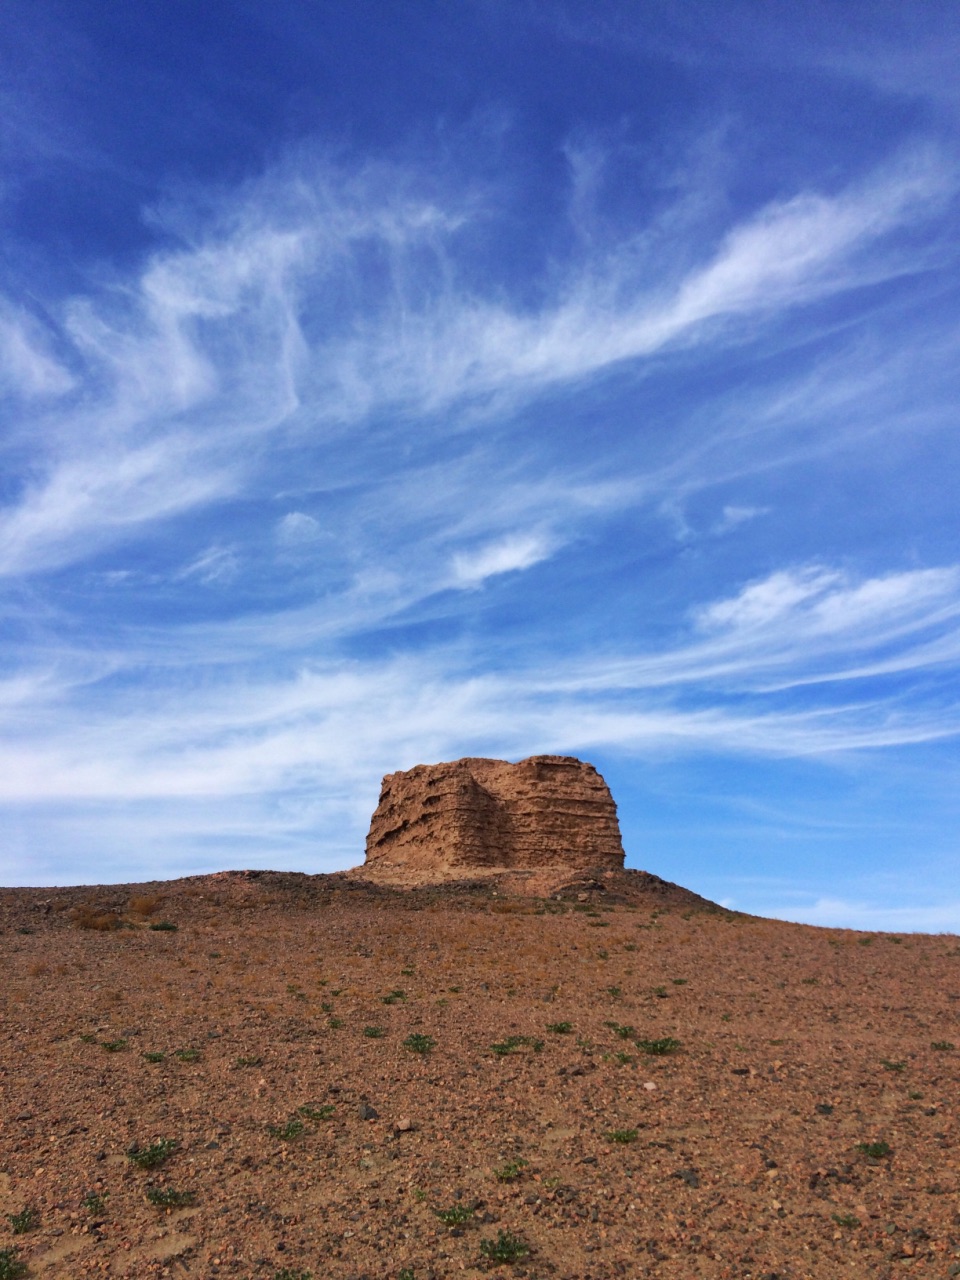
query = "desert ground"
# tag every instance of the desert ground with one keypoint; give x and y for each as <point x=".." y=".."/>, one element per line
<point x="287" y="1076"/>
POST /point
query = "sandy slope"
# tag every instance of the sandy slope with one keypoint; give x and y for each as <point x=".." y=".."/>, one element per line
<point x="795" y="1046"/>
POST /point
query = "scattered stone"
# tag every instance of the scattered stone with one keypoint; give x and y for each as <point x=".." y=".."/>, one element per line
<point x="367" y="1112"/>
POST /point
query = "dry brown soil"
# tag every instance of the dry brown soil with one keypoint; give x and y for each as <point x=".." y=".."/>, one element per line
<point x="263" y="1041"/>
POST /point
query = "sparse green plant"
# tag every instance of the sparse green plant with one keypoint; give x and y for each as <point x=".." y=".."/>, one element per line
<point x="188" y="1055"/>
<point x="624" y="1032"/>
<point x="334" y="1023"/>
<point x="455" y="990"/>
<point x="560" y="1028"/>
<point x="394" y="997"/>
<point x="153" y="1056"/>
<point x="419" y="1043"/>
<point x="629" y="946"/>
<point x="286" y="1274"/>
<point x="622" y="1135"/>
<point x="419" y="1194"/>
<point x="164" y="926"/>
<point x="892" y="1066"/>
<point x="26" y="1220"/>
<point x="679" y="982"/>
<point x="660" y="992"/>
<point x="658" y="1048"/>
<point x="615" y="992"/>
<point x="506" y="1248"/>
<point x="326" y="1006"/>
<point x="623" y="1058"/>
<point x="845" y="1220"/>
<point x="248" y="1062"/>
<point x="408" y="971"/>
<point x="897" y="940"/>
<point x="455" y="1216"/>
<point x="405" y="1273"/>
<point x="865" y="942"/>
<point x="914" y="1096"/>
<point x="11" y="1267"/>
<point x="95" y="1202"/>
<point x="512" y="1043"/>
<point x="726" y="1017"/>
<point x="943" y="1045"/>
<point x="874" y="1150"/>
<point x="167" y="1198"/>
<point x="292" y="1129"/>
<point x="510" y="1171"/>
<point x="373" y="1033"/>
<point x="113" y="1046"/>
<point x="155" y="1154"/>
<point x="318" y="1113"/>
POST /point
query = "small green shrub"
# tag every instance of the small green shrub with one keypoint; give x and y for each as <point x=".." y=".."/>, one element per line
<point x="845" y="1220"/>
<point x="113" y="1046"/>
<point x="188" y="1055"/>
<point x="95" y="1202"/>
<point x="506" y="1248"/>
<point x="625" y="1032"/>
<point x="658" y="1048"/>
<point x="892" y="1066"/>
<point x="418" y="1043"/>
<point x="155" y="1154"/>
<point x="943" y="1045"/>
<point x="318" y="1113"/>
<point x="373" y="1033"/>
<point x="164" y="926"/>
<point x="154" y="1057"/>
<point x="394" y="997"/>
<point x="560" y="1028"/>
<point x="622" y="1135"/>
<point x="874" y="1150"/>
<point x="11" y="1267"/>
<point x="292" y="1129"/>
<point x="166" y="1198"/>
<point x="334" y="1023"/>
<point x="286" y="1274"/>
<point x="513" y="1043"/>
<point x="455" y="1216"/>
<point x="510" y="1171"/>
<point x="248" y="1062"/>
<point x="24" y="1221"/>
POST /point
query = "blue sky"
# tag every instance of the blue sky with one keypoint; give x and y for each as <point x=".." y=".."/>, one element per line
<point x="381" y="384"/>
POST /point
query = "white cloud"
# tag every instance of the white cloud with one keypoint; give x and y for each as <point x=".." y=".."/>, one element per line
<point x="843" y="913"/>
<point x="297" y="529"/>
<point x="26" y="366"/>
<point x="216" y="565"/>
<point x="506" y="555"/>
<point x="271" y="325"/>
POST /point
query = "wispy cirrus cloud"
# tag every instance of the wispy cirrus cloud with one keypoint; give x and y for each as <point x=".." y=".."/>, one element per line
<point x="276" y="327"/>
